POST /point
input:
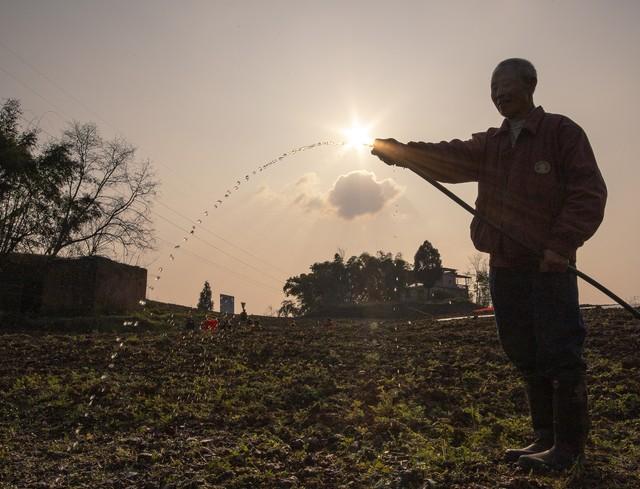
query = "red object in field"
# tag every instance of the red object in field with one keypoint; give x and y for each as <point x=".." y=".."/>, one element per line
<point x="209" y="325"/>
<point x="484" y="310"/>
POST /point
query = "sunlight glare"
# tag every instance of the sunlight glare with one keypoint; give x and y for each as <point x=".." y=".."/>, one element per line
<point x="357" y="136"/>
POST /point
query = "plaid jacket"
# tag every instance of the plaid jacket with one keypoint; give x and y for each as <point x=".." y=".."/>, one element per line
<point x="545" y="190"/>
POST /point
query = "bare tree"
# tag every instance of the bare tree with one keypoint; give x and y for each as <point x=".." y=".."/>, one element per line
<point x="105" y="201"/>
<point x="480" y="284"/>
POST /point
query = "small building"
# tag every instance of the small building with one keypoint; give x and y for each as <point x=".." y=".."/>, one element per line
<point x="227" y="304"/>
<point x="37" y="284"/>
<point x="451" y="285"/>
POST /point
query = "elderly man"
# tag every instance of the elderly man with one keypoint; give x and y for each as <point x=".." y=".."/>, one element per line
<point x="538" y="180"/>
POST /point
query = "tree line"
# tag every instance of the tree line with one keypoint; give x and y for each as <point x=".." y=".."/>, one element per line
<point x="359" y="280"/>
<point x="373" y="278"/>
<point x="77" y="194"/>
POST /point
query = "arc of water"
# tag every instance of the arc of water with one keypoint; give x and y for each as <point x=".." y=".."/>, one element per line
<point x="228" y="193"/>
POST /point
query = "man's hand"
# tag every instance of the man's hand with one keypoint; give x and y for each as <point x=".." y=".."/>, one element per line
<point x="553" y="262"/>
<point x="388" y="150"/>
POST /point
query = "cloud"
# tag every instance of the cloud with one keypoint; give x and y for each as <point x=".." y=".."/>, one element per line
<point x="315" y="203"/>
<point x="266" y="193"/>
<point x="354" y="194"/>
<point x="358" y="193"/>
<point x="306" y="195"/>
<point x="307" y="180"/>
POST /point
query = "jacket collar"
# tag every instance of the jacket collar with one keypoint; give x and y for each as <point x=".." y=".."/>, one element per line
<point x="531" y="123"/>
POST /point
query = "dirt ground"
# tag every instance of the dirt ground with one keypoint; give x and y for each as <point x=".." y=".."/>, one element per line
<point x="358" y="404"/>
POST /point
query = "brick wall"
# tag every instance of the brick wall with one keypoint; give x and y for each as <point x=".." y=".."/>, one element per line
<point x="67" y="286"/>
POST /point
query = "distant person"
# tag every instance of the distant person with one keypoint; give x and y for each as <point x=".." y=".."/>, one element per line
<point x="189" y="323"/>
<point x="538" y="179"/>
<point x="243" y="314"/>
<point x="225" y="321"/>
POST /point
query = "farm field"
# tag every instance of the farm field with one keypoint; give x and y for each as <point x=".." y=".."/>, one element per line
<point x="359" y="404"/>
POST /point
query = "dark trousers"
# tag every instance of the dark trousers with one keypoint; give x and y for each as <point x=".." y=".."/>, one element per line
<point x="539" y="322"/>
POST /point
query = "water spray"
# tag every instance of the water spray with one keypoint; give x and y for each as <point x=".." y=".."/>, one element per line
<point x="355" y="137"/>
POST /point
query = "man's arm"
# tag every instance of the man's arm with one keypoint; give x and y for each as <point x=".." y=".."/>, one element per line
<point x="449" y="162"/>
<point x="586" y="193"/>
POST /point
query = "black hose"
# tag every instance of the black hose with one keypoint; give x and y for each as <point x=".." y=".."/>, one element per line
<point x="634" y="312"/>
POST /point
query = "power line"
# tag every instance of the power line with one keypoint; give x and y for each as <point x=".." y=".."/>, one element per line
<point x="261" y="284"/>
<point x="43" y="75"/>
<point x="200" y="226"/>
<point x="230" y="270"/>
<point x="115" y="129"/>
<point x="215" y="247"/>
<point x="38" y="128"/>
<point x="26" y="85"/>
<point x="199" y="238"/>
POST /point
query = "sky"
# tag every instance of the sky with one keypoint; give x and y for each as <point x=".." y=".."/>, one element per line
<point x="211" y="90"/>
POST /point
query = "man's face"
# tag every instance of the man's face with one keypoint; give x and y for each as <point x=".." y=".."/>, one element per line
<point x="510" y="94"/>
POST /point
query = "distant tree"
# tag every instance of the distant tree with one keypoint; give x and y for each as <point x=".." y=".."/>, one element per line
<point x="16" y="146"/>
<point x="205" y="302"/>
<point x="396" y="276"/>
<point x="16" y="158"/>
<point x="361" y="279"/>
<point x="30" y="183"/>
<point x="480" y="280"/>
<point x="427" y="266"/>
<point x="288" y="309"/>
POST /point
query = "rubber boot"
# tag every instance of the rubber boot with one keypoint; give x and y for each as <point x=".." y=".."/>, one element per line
<point x="570" y="424"/>
<point x="540" y="397"/>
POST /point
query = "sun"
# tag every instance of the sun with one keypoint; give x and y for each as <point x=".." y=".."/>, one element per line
<point x="357" y="136"/>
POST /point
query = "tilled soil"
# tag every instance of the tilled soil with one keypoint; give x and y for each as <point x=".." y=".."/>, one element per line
<point x="360" y="404"/>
